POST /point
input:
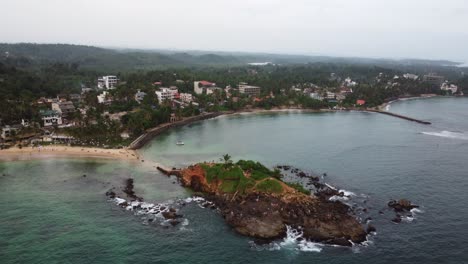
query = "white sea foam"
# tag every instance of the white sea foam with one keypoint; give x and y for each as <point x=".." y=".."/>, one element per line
<point x="416" y="210"/>
<point x="119" y="201"/>
<point x="294" y="240"/>
<point x="347" y="193"/>
<point x="448" y="134"/>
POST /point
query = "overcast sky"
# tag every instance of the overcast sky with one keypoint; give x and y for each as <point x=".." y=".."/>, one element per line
<point x="433" y="29"/>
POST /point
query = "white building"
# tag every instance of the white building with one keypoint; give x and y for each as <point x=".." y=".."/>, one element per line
<point x="108" y="82"/>
<point x="104" y="98"/>
<point x="249" y="89"/>
<point x="331" y="95"/>
<point x="167" y="94"/>
<point x="316" y="96"/>
<point x="410" y="76"/>
<point x="200" y="86"/>
<point x="186" y="97"/>
<point x="349" y="83"/>
<point x="51" y="117"/>
<point x="449" y="87"/>
<point x="8" y="132"/>
<point x="139" y="96"/>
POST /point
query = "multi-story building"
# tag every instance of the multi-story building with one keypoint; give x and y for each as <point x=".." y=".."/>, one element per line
<point x="249" y="89"/>
<point x="64" y="108"/>
<point x="167" y="94"/>
<point x="8" y="132"/>
<point x="201" y="86"/>
<point x="104" y="98"/>
<point x="51" y="117"/>
<point x="108" y="82"/>
<point x="316" y="96"/>
<point x="331" y="95"/>
<point x="186" y="97"/>
<point x="433" y="79"/>
<point x="449" y="87"/>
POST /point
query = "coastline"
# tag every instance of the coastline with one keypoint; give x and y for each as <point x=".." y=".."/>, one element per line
<point x="386" y="106"/>
<point x="61" y="151"/>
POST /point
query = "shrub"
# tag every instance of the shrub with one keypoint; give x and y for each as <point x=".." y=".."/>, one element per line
<point x="298" y="187"/>
<point x="270" y="186"/>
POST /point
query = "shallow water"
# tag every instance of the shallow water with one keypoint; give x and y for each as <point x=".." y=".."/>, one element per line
<point x="50" y="213"/>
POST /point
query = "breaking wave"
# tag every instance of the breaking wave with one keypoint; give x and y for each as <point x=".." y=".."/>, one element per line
<point x="448" y="134"/>
<point x="294" y="240"/>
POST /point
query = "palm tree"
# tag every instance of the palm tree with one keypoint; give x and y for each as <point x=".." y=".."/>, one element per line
<point x="227" y="160"/>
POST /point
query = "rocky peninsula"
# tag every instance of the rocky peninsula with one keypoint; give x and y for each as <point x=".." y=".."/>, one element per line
<point x="257" y="203"/>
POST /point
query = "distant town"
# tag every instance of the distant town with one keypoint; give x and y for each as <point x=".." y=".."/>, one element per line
<point x="112" y="110"/>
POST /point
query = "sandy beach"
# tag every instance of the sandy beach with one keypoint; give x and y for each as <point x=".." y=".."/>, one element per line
<point x="57" y="151"/>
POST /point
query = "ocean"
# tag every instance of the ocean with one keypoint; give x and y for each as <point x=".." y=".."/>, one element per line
<point x="56" y="211"/>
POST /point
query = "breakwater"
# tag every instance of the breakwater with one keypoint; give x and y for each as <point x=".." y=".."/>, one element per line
<point x="400" y="116"/>
<point x="151" y="133"/>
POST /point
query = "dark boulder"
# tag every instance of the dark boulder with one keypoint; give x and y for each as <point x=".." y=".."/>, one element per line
<point x="370" y="229"/>
<point x="401" y="205"/>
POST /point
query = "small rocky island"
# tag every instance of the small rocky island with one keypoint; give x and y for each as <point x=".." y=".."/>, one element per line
<point x="257" y="203"/>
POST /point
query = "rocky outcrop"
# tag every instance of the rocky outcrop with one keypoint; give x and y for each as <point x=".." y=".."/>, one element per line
<point x="401" y="205"/>
<point x="266" y="215"/>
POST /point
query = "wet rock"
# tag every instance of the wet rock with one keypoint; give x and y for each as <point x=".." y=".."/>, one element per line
<point x="370" y="229"/>
<point x="301" y="174"/>
<point x="397" y="219"/>
<point x="174" y="222"/>
<point x="340" y="242"/>
<point x="401" y="205"/>
<point x="110" y="194"/>
<point x="171" y="215"/>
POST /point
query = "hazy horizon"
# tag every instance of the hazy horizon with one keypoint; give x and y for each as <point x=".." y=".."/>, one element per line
<point x="418" y="29"/>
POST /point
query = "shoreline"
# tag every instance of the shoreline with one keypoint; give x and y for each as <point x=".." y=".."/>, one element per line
<point x="131" y="152"/>
<point x="62" y="151"/>
<point x="386" y="106"/>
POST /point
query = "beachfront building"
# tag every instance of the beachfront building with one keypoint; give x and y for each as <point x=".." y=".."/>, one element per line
<point x="186" y="97"/>
<point x="139" y="96"/>
<point x="104" y="98"/>
<point x="167" y="94"/>
<point x="64" y="108"/>
<point x="201" y="86"/>
<point x="449" y="87"/>
<point x="51" y="117"/>
<point x="330" y="95"/>
<point x="249" y="89"/>
<point x="8" y="132"/>
<point x="316" y="96"/>
<point x="108" y="82"/>
<point x="433" y="79"/>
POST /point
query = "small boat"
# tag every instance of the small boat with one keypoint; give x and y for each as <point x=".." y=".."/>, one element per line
<point x="180" y="142"/>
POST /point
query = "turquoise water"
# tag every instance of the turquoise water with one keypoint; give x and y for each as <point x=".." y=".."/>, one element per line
<point x="50" y="213"/>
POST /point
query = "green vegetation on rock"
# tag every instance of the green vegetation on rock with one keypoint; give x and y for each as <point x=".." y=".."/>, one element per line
<point x="270" y="186"/>
<point x="242" y="176"/>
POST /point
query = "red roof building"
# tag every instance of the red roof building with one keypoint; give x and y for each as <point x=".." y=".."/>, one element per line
<point x="360" y="102"/>
<point x="206" y="83"/>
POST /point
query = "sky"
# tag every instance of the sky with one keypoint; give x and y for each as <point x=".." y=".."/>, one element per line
<point x="426" y="29"/>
